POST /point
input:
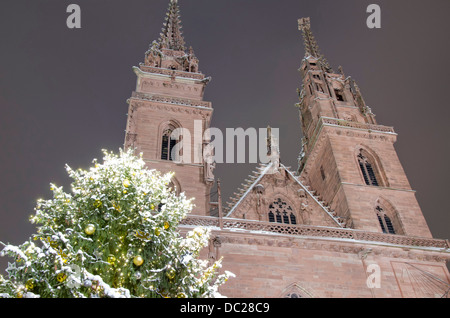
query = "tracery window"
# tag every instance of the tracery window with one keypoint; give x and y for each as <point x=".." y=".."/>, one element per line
<point x="367" y="170"/>
<point x="167" y="144"/>
<point x="385" y="221"/>
<point x="281" y="212"/>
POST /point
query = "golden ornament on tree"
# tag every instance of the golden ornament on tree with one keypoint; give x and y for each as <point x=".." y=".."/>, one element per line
<point x="98" y="203"/>
<point x="30" y="284"/>
<point x="111" y="259"/>
<point x="117" y="207"/>
<point x="170" y="273"/>
<point x="61" y="277"/>
<point x="166" y="225"/>
<point x="126" y="183"/>
<point x="138" y="260"/>
<point x="90" y="229"/>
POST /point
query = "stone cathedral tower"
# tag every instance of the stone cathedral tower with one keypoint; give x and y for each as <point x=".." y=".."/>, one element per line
<point x="345" y="224"/>
<point x="168" y="102"/>
<point x="347" y="158"/>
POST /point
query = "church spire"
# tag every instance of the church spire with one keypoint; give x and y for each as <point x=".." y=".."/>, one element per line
<point x="169" y="51"/>
<point x="171" y="36"/>
<point x="311" y="46"/>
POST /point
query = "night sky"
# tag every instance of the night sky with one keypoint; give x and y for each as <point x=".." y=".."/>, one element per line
<point x="63" y="91"/>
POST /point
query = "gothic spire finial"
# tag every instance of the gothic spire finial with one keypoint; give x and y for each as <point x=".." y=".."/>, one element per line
<point x="311" y="46"/>
<point x="169" y="51"/>
<point x="171" y="36"/>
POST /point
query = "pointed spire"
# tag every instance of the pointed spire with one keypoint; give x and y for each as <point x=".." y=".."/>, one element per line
<point x="170" y="52"/>
<point x="171" y="36"/>
<point x="311" y="46"/>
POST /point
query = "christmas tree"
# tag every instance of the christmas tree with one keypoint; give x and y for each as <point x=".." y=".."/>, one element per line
<point x="115" y="235"/>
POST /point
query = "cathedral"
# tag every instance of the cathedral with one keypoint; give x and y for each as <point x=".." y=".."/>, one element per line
<point x="344" y="223"/>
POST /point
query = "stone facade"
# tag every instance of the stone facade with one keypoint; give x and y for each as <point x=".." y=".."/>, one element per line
<point x="345" y="224"/>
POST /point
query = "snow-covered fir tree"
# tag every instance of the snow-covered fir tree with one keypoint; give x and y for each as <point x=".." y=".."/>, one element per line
<point x="114" y="235"/>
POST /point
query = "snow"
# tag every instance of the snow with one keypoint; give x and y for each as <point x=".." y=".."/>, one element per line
<point x="15" y="250"/>
<point x="108" y="290"/>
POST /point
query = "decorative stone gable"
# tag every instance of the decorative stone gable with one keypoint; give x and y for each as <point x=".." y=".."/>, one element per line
<point x="281" y="198"/>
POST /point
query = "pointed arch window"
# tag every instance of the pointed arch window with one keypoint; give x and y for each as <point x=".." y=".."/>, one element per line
<point x="281" y="212"/>
<point x="385" y="221"/>
<point x="367" y="169"/>
<point x="168" y="143"/>
<point x="295" y="291"/>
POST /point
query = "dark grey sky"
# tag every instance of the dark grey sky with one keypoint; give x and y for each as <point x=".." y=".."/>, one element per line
<point x="63" y="92"/>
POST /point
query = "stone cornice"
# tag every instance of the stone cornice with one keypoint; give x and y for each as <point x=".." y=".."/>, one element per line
<point x="177" y="163"/>
<point x="149" y="70"/>
<point x="355" y="125"/>
<point x="172" y="100"/>
<point x="170" y="104"/>
<point x="359" y="129"/>
<point x="331" y="245"/>
<point x="377" y="187"/>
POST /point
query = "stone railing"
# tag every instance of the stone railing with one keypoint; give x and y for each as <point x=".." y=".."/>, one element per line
<point x="171" y="100"/>
<point x="157" y="70"/>
<point x="352" y="124"/>
<point x="313" y="231"/>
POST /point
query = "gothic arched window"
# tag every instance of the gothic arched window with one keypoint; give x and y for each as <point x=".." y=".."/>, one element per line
<point x="385" y="221"/>
<point x="367" y="169"/>
<point x="168" y="142"/>
<point x="295" y="291"/>
<point x="281" y="212"/>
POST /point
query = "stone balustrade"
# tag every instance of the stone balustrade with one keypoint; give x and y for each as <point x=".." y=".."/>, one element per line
<point x="313" y="231"/>
<point x="352" y="124"/>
